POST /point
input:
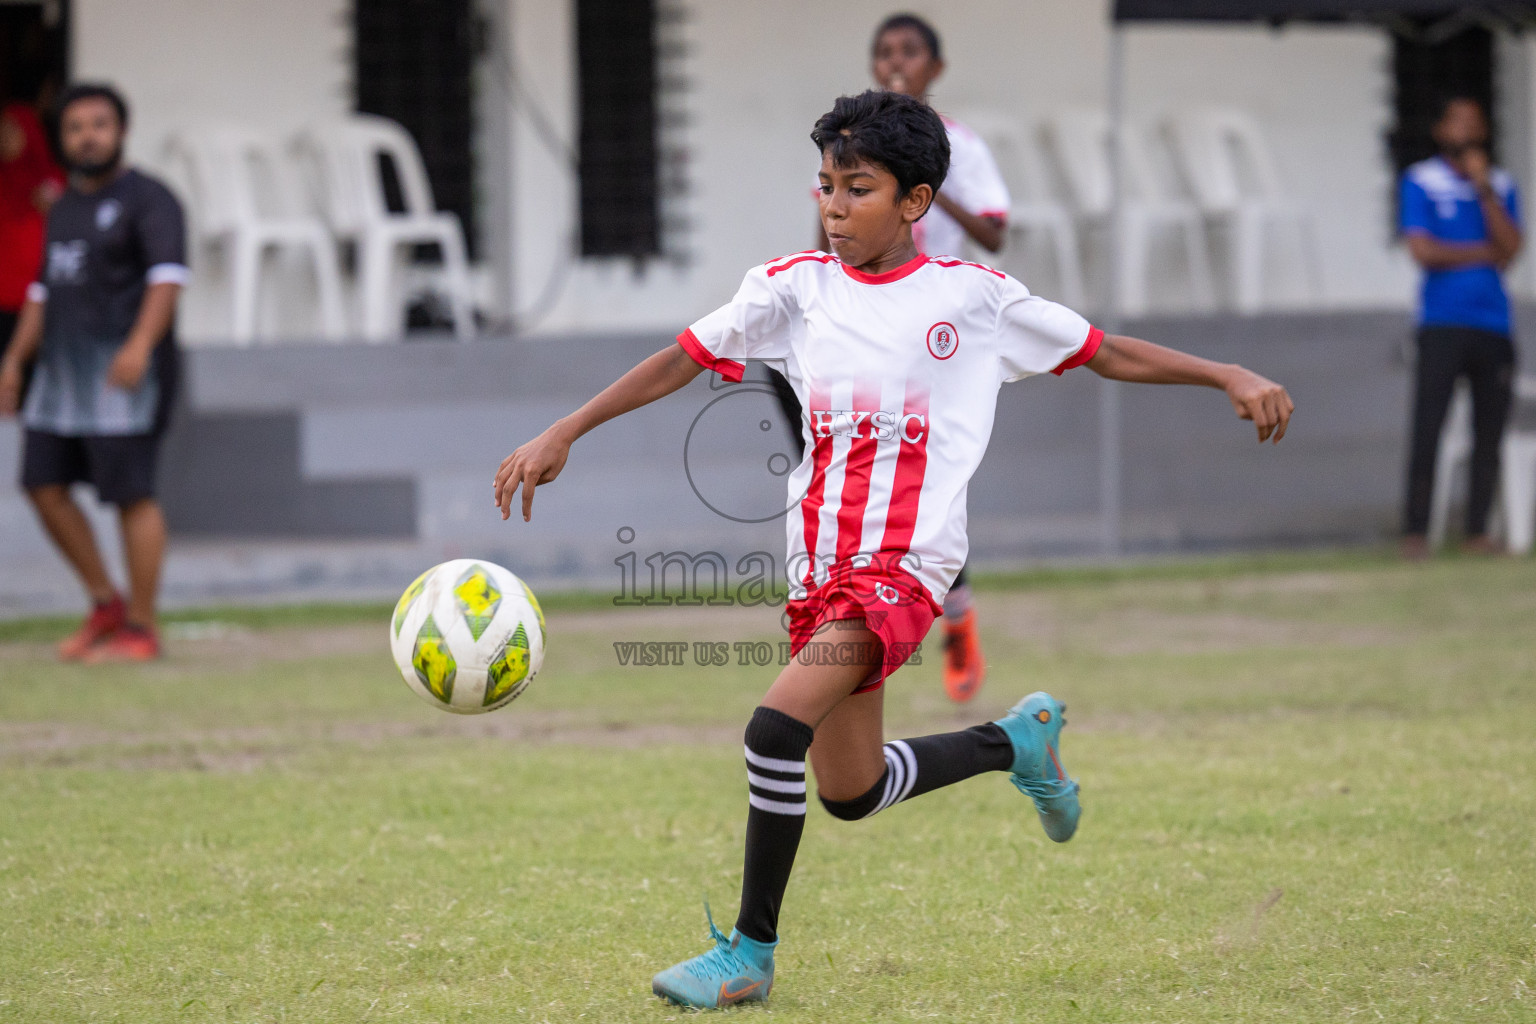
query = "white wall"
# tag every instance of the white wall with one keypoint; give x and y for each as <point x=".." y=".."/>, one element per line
<point x="1323" y="96"/>
<point x="275" y="63"/>
<point x="1515" y="95"/>
<point x="761" y="73"/>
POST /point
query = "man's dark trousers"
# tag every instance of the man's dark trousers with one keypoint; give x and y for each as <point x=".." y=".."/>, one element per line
<point x="1487" y="360"/>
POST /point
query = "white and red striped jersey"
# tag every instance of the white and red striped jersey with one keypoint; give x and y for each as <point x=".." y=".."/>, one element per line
<point x="898" y="374"/>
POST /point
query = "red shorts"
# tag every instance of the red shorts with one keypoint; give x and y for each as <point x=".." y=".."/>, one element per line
<point x="891" y="604"/>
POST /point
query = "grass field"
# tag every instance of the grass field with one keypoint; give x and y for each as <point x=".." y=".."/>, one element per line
<point x="1309" y="788"/>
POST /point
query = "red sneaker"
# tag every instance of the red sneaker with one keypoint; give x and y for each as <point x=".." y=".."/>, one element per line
<point x="130" y="643"/>
<point x="964" y="667"/>
<point x="104" y="620"/>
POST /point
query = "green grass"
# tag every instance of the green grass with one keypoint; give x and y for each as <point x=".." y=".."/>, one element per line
<point x="1309" y="794"/>
<point x="46" y="627"/>
<point x="37" y="628"/>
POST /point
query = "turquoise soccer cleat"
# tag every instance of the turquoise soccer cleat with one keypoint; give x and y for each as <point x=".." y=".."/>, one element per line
<point x="1034" y="726"/>
<point x="737" y="970"/>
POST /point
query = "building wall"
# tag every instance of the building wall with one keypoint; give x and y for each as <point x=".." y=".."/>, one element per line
<point x="759" y="74"/>
<point x="323" y="472"/>
<point x="276" y="64"/>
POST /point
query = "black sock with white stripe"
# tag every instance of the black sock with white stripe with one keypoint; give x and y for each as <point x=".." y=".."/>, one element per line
<point x="917" y="766"/>
<point x="776" y="746"/>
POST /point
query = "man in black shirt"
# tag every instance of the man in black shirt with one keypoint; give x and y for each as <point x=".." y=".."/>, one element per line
<point x="99" y="323"/>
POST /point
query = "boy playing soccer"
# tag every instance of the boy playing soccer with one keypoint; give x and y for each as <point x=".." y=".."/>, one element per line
<point x="905" y="57"/>
<point x="898" y="359"/>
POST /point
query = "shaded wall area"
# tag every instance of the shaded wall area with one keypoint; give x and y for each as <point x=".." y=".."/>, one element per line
<point x="342" y="471"/>
<point x="359" y="442"/>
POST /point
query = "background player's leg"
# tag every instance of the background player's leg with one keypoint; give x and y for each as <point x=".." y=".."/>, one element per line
<point x="71" y="534"/>
<point x="965" y="668"/>
<point x="1491" y="369"/>
<point x="143" y="528"/>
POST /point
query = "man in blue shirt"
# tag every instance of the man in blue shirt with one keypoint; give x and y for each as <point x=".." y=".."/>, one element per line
<point x="1461" y="221"/>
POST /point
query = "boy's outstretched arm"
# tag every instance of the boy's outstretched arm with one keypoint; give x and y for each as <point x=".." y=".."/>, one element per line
<point x="1255" y="398"/>
<point x="541" y="460"/>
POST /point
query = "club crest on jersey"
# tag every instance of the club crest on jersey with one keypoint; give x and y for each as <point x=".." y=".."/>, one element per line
<point x="943" y="339"/>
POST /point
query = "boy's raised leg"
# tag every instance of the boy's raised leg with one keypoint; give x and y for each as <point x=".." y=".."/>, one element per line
<point x="811" y="709"/>
<point x="1025" y="742"/>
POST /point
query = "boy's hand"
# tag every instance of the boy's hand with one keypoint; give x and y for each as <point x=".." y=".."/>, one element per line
<point x="537" y="462"/>
<point x="1476" y="166"/>
<point x="1262" y="401"/>
<point x="128" y="368"/>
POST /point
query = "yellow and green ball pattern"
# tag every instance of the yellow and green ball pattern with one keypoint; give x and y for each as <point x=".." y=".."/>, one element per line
<point x="433" y="662"/>
<point x="468" y="636"/>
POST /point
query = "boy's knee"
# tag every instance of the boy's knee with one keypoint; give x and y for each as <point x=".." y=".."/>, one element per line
<point x="774" y="734"/>
<point x="861" y="806"/>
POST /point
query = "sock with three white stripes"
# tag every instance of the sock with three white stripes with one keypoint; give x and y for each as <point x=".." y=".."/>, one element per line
<point x="921" y="765"/>
<point x="775" y="745"/>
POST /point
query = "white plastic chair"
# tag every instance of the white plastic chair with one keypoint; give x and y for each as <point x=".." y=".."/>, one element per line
<point x="342" y="161"/>
<point x="242" y="207"/>
<point x="1515" y="505"/>
<point x="1035" y="214"/>
<point x="1077" y="143"/>
<point x="1228" y="165"/>
<point x="1517" y="477"/>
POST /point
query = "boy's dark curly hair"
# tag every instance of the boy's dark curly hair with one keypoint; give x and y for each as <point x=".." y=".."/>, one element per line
<point x="901" y="134"/>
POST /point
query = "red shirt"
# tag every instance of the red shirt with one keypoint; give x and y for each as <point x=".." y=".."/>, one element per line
<point x="21" y="222"/>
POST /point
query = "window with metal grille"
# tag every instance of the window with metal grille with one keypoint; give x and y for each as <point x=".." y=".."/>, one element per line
<point x="414" y="63"/>
<point x="618" y="155"/>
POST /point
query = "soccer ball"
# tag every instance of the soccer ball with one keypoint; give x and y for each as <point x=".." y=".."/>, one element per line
<point x="468" y="636"/>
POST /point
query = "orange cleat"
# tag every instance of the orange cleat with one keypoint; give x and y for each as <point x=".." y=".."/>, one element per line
<point x="964" y="667"/>
<point x="104" y="620"/>
<point x="131" y="643"/>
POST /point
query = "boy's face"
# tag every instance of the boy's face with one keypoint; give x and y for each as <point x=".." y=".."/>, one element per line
<point x="863" y="218"/>
<point x="903" y="63"/>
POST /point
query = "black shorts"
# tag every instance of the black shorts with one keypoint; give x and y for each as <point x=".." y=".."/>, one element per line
<point x="121" y="468"/>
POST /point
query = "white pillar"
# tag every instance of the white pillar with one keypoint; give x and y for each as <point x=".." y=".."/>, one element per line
<point x="1515" y="114"/>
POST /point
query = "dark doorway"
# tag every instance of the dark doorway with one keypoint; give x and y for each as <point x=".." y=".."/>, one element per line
<point x="1426" y="67"/>
<point x="34" y="52"/>
<point x="414" y="63"/>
